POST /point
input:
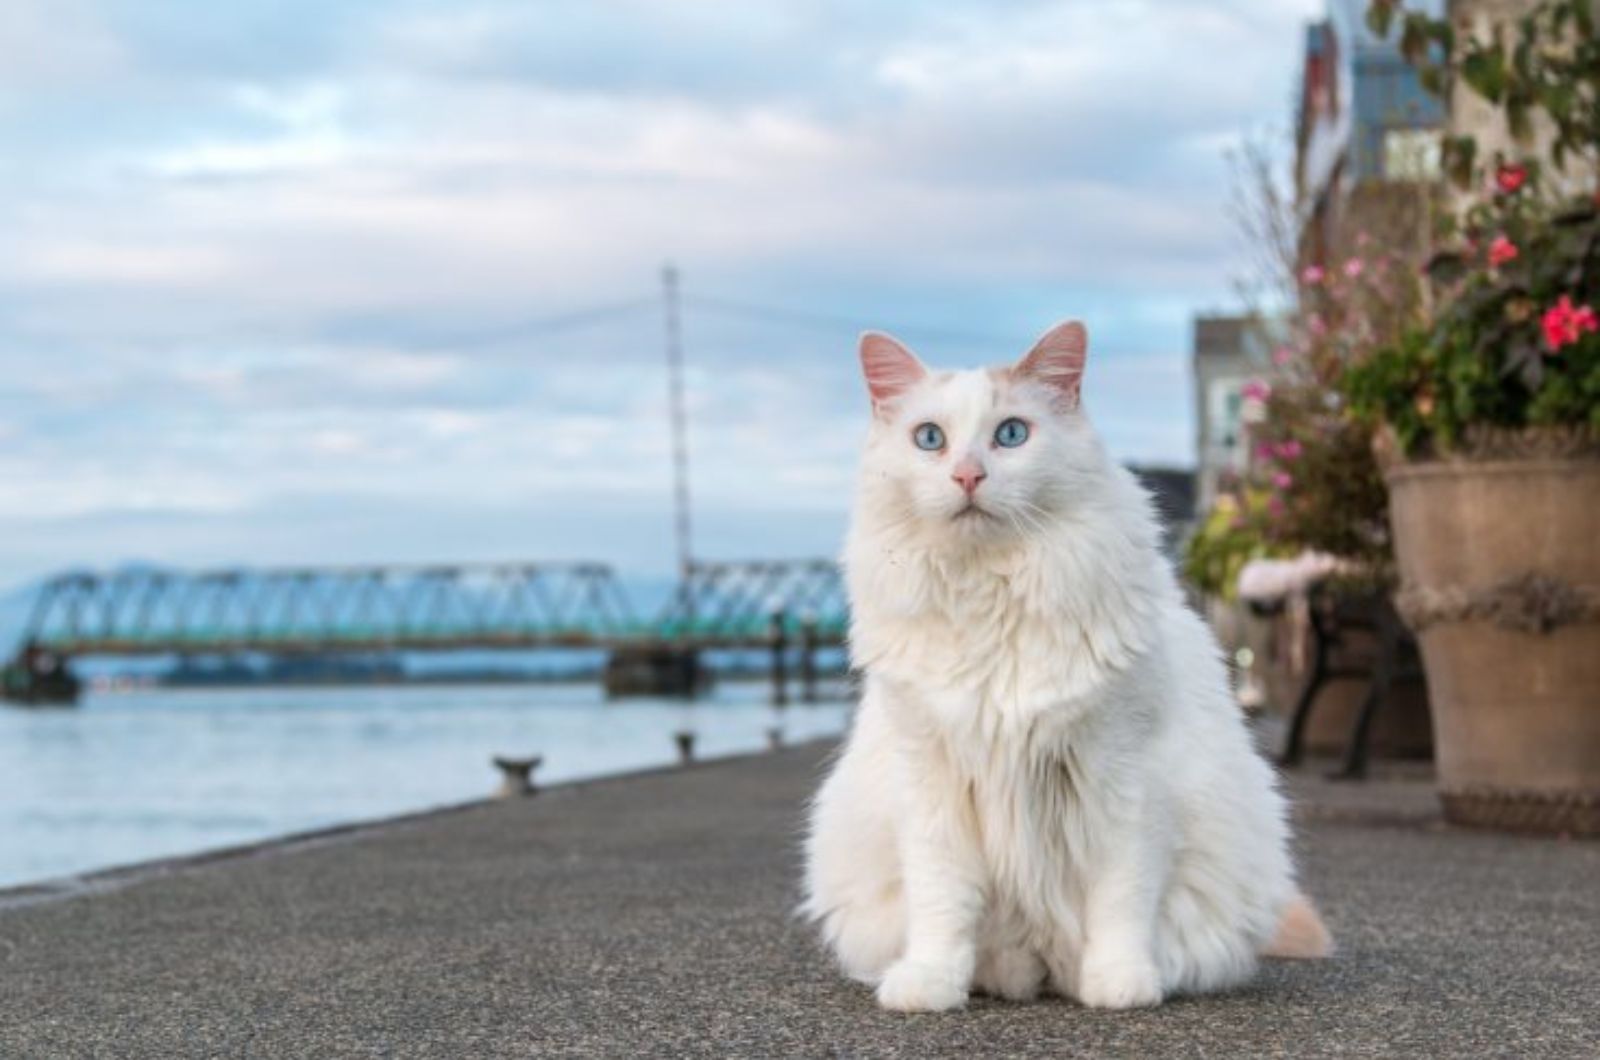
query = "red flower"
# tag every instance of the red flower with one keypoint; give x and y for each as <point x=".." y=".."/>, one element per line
<point x="1501" y="251"/>
<point x="1510" y="178"/>
<point x="1565" y="323"/>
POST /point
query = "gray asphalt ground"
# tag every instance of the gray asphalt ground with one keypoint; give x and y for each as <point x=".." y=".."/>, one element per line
<point x="651" y="916"/>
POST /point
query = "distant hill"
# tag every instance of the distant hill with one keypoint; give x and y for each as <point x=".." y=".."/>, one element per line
<point x="1173" y="490"/>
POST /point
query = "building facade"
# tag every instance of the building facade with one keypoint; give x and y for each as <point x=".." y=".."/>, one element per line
<point x="1228" y="353"/>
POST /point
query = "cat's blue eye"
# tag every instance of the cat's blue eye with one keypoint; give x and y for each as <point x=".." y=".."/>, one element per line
<point x="1011" y="433"/>
<point x="928" y="436"/>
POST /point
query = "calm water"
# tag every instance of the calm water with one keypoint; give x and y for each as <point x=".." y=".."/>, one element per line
<point x="126" y="777"/>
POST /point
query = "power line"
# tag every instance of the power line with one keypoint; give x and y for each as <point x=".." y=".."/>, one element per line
<point x="835" y="322"/>
<point x="535" y="327"/>
<point x="575" y="320"/>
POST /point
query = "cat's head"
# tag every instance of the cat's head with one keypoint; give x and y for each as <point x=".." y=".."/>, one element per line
<point x="982" y="454"/>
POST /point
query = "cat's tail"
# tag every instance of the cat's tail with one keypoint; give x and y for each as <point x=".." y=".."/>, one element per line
<point x="1301" y="935"/>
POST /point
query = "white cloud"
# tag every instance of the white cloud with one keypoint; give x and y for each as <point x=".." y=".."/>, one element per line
<point x="55" y="45"/>
<point x="310" y="135"/>
<point x="223" y="288"/>
<point x="79" y="260"/>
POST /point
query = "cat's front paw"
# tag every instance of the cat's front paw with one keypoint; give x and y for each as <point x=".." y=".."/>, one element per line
<point x="1111" y="979"/>
<point x="922" y="987"/>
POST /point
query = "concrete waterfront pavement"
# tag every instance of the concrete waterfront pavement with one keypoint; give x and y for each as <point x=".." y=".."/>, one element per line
<point x="651" y="915"/>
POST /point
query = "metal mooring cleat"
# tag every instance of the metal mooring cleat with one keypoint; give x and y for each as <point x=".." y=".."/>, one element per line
<point x="516" y="775"/>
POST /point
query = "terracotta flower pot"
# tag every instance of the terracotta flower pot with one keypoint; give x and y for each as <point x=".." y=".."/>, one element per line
<point x="1499" y="562"/>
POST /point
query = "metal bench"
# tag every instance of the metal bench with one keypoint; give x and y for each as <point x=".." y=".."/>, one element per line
<point x="1335" y="613"/>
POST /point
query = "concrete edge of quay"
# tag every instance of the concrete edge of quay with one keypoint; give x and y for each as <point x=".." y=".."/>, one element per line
<point x="116" y="877"/>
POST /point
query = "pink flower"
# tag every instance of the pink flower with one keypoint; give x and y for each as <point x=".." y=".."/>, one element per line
<point x="1565" y="323"/>
<point x="1283" y="480"/>
<point x="1312" y="274"/>
<point x="1353" y="267"/>
<point x="1319" y="327"/>
<point x="1510" y="178"/>
<point x="1501" y="251"/>
<point x="1256" y="390"/>
<point x="1290" y="450"/>
<point x="1282" y="356"/>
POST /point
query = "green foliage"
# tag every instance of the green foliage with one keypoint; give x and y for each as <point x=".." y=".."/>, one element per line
<point x="1312" y="482"/>
<point x="1546" y="62"/>
<point x="1514" y="340"/>
<point x="1235" y="532"/>
<point x="1328" y="492"/>
<point x="1488" y="357"/>
<point x="1309" y="448"/>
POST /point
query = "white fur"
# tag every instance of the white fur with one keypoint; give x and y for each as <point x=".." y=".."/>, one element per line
<point x="1047" y="784"/>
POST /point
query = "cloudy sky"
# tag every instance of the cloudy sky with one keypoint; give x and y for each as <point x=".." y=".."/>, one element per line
<point x="291" y="280"/>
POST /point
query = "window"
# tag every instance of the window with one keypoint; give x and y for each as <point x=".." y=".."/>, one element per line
<point x="1224" y="407"/>
<point x="1411" y="154"/>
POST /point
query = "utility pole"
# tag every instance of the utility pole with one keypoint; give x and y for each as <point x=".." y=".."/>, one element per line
<point x="680" y="421"/>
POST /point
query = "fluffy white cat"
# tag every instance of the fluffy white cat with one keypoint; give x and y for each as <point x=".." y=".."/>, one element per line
<point x="1047" y="783"/>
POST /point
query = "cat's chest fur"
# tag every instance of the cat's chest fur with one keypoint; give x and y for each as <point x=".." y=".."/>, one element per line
<point x="998" y="646"/>
<point x="1032" y="680"/>
<point x="1036" y="752"/>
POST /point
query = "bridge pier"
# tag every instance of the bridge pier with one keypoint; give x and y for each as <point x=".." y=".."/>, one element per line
<point x="655" y="670"/>
<point x="808" y="659"/>
<point x="779" y="637"/>
<point x="39" y="677"/>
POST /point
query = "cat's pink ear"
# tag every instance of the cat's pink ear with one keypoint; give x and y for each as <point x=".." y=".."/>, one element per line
<point x="1057" y="360"/>
<point x="890" y="368"/>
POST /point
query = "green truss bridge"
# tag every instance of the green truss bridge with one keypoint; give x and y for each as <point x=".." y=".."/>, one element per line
<point x="773" y="604"/>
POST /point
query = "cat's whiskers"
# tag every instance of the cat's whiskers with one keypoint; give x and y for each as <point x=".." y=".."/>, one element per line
<point x="1027" y="513"/>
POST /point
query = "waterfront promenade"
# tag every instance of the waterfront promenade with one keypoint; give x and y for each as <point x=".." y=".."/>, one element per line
<point x="652" y="916"/>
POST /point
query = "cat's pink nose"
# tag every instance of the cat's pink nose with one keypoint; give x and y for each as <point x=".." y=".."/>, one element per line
<point x="969" y="473"/>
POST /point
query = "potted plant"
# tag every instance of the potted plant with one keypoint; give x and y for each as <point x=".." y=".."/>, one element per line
<point x="1488" y="420"/>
